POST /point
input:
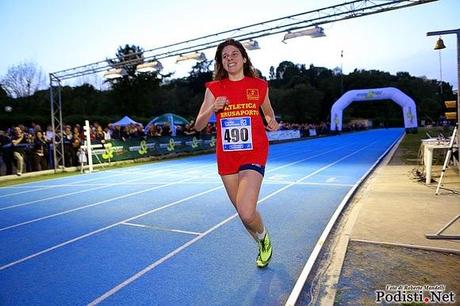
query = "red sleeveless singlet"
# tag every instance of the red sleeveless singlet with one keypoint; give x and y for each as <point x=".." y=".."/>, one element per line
<point x="241" y="136"/>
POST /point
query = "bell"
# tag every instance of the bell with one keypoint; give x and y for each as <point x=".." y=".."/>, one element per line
<point x="439" y="44"/>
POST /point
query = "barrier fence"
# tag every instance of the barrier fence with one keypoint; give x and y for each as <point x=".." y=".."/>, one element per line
<point x="118" y="150"/>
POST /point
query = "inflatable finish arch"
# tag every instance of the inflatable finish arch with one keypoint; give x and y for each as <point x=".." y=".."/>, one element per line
<point x="391" y="93"/>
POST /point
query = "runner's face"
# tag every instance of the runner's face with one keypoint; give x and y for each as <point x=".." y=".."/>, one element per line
<point x="232" y="60"/>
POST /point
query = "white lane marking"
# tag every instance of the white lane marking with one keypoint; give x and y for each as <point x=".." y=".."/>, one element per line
<point x="161" y="228"/>
<point x="191" y="242"/>
<point x="307" y="183"/>
<point x="278" y="177"/>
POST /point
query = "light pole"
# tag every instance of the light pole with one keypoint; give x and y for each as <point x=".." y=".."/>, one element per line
<point x="445" y="32"/>
<point x="341" y="72"/>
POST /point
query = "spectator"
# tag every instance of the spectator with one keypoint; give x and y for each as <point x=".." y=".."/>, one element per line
<point x="166" y="130"/>
<point x="210" y="128"/>
<point x="108" y="132"/>
<point x="69" y="158"/>
<point x="18" y="145"/>
<point x="139" y="131"/>
<point x="5" y="152"/>
<point x="49" y="135"/>
<point x="117" y="133"/>
<point x="153" y="131"/>
<point x="189" y="130"/>
<point x="76" y="142"/>
<point x="99" y="135"/>
<point x="39" y="152"/>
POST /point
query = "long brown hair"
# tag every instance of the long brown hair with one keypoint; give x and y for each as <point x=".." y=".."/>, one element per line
<point x="219" y="72"/>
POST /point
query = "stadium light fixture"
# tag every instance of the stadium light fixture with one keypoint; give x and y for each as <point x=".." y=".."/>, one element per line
<point x="251" y="44"/>
<point x="199" y="56"/>
<point x="115" y="73"/>
<point x="312" y="32"/>
<point x="149" y="66"/>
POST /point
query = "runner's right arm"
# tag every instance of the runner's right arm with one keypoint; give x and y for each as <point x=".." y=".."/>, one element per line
<point x="209" y="105"/>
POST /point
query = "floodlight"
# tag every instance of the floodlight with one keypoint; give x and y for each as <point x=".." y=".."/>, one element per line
<point x="251" y="45"/>
<point x="199" y="56"/>
<point x="312" y="32"/>
<point x="115" y="73"/>
<point x="149" y="66"/>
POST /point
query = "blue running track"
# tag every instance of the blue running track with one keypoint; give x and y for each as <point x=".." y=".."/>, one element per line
<point x="165" y="233"/>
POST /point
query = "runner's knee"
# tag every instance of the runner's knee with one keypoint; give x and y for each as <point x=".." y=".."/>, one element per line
<point x="247" y="216"/>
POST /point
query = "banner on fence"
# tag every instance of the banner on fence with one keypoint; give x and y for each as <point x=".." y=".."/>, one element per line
<point x="283" y="135"/>
<point x="117" y="150"/>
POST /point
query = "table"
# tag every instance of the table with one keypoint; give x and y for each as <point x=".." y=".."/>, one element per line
<point x="429" y="145"/>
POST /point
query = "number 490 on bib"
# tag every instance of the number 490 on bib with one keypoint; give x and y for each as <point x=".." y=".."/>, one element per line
<point x="236" y="134"/>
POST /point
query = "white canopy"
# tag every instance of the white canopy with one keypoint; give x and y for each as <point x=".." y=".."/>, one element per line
<point x="390" y="93"/>
<point x="125" y="121"/>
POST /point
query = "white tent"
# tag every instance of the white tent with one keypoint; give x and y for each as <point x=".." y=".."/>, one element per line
<point x="365" y="95"/>
<point x="125" y="121"/>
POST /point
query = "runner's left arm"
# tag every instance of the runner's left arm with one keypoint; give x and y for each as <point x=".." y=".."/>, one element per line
<point x="267" y="109"/>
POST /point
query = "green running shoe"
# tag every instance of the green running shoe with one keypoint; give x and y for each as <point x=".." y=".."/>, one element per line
<point x="265" y="252"/>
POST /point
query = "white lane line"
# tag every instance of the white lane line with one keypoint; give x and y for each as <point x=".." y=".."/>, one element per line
<point x="308" y="183"/>
<point x="161" y="228"/>
<point x="146" y="213"/>
<point x="191" y="242"/>
<point x="151" y="175"/>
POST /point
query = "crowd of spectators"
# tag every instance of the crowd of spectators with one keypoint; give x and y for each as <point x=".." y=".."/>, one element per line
<point x="306" y="129"/>
<point x="26" y="149"/>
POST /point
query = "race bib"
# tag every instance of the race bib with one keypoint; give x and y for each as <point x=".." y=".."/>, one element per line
<point x="236" y="134"/>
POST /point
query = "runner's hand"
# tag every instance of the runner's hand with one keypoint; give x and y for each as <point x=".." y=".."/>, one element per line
<point x="272" y="125"/>
<point x="219" y="103"/>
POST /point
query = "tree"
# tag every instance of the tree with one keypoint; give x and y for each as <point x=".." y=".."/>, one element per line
<point x="128" y="57"/>
<point x="271" y="75"/>
<point x="186" y="94"/>
<point x="200" y="74"/>
<point x="286" y="70"/>
<point x="23" y="80"/>
<point x="134" y="93"/>
<point x="3" y="93"/>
